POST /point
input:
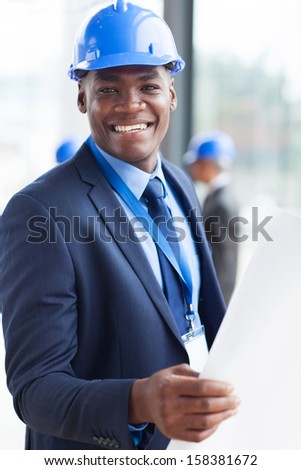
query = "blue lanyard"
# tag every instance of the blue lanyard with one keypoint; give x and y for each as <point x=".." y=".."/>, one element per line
<point x="148" y="223"/>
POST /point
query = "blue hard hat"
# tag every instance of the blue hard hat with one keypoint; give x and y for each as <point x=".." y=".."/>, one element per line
<point x="123" y="34"/>
<point x="66" y="150"/>
<point x="213" y="145"/>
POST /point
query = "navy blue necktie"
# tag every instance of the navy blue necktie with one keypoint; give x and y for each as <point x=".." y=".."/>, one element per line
<point x="154" y="194"/>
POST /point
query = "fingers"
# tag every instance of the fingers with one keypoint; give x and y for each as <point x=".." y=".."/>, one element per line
<point x="181" y="404"/>
<point x="195" y="435"/>
<point x="182" y="380"/>
<point x="186" y="381"/>
<point x="195" y="386"/>
<point x="194" y="427"/>
<point x="207" y="404"/>
<point x="202" y="422"/>
<point x="204" y="426"/>
<point x="183" y="370"/>
<point x="185" y="415"/>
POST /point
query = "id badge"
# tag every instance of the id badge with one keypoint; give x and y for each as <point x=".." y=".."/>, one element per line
<point x="196" y="347"/>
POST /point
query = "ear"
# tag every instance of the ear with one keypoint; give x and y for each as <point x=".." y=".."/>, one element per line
<point x="81" y="98"/>
<point x="173" y="95"/>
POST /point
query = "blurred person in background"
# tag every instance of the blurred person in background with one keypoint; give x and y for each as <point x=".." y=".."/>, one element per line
<point x="209" y="160"/>
<point x="98" y="317"/>
<point x="66" y="150"/>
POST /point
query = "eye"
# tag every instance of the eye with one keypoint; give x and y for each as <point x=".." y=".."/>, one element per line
<point x="106" y="90"/>
<point x="150" y="88"/>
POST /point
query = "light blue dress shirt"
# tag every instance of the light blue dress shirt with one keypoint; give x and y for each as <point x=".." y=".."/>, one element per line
<point x="137" y="181"/>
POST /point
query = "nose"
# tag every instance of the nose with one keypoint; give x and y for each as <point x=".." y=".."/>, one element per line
<point x="130" y="102"/>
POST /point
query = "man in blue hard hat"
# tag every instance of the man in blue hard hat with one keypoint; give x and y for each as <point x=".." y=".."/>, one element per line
<point x="209" y="159"/>
<point x="103" y="298"/>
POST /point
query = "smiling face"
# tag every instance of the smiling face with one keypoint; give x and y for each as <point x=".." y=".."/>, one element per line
<point x="128" y="110"/>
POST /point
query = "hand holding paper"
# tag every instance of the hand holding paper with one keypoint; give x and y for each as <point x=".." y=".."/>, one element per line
<point x="182" y="405"/>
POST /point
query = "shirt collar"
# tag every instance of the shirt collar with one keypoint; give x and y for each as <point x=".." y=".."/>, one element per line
<point x="133" y="177"/>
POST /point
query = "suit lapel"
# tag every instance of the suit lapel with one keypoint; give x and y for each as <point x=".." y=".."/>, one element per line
<point x="119" y="226"/>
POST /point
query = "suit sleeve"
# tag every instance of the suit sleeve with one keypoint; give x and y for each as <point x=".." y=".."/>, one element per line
<point x="38" y="291"/>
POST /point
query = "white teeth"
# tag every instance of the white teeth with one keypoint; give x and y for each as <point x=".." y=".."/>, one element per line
<point x="134" y="127"/>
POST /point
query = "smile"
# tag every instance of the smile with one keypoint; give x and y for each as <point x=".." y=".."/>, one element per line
<point x="131" y="128"/>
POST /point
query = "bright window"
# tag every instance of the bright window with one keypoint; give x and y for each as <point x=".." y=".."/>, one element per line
<point x="247" y="82"/>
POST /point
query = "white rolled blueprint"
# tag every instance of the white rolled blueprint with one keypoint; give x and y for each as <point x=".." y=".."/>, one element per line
<point x="258" y="347"/>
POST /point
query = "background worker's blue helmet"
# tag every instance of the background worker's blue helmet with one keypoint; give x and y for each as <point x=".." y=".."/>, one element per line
<point x="123" y="34"/>
<point x="66" y="150"/>
<point x="213" y="145"/>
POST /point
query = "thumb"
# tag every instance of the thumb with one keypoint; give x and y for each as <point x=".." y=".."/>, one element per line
<point x="184" y="369"/>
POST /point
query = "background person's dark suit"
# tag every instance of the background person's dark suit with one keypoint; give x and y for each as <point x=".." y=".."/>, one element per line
<point x="219" y="209"/>
<point x="106" y="318"/>
<point x="209" y="157"/>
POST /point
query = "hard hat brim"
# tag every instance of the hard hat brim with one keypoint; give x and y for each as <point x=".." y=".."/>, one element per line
<point x="124" y="59"/>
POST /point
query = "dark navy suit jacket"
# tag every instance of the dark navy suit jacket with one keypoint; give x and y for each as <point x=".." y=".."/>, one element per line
<point x="83" y="314"/>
